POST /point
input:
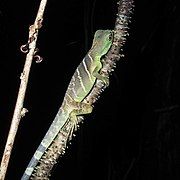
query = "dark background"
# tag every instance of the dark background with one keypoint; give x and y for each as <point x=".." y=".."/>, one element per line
<point x="134" y="130"/>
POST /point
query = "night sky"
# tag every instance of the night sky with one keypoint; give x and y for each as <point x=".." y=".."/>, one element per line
<point x="134" y="130"/>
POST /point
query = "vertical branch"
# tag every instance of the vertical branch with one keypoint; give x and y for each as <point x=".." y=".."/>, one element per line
<point x="19" y="111"/>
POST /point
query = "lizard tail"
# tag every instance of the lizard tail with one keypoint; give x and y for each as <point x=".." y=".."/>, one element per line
<point x="55" y="127"/>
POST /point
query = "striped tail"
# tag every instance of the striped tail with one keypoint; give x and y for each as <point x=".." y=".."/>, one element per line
<point x="55" y="127"/>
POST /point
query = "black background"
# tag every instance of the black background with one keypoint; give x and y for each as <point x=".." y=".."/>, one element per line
<point x="134" y="130"/>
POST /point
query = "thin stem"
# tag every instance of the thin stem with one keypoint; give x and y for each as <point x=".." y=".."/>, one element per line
<point x="19" y="111"/>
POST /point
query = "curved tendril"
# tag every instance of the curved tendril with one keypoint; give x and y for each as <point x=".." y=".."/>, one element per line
<point x="38" y="58"/>
<point x="25" y="48"/>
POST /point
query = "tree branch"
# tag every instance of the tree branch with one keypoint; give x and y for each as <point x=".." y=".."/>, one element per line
<point x="19" y="111"/>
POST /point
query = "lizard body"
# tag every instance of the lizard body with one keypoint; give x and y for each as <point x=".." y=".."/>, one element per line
<point x="79" y="87"/>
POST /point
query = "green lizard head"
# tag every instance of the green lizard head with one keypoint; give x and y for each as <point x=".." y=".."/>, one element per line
<point x="102" y="42"/>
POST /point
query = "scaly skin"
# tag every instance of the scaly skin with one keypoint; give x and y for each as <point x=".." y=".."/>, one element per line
<point x="79" y="87"/>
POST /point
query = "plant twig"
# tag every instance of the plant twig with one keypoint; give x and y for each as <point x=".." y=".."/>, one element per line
<point x="19" y="111"/>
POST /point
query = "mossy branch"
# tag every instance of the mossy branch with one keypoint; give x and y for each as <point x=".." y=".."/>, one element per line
<point x="58" y="147"/>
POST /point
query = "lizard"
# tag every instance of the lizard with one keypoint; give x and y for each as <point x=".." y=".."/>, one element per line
<point x="80" y="86"/>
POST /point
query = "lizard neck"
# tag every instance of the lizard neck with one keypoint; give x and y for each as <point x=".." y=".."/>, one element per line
<point x="94" y="55"/>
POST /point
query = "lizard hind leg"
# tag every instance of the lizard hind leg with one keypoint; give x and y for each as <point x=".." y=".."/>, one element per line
<point x="81" y="109"/>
